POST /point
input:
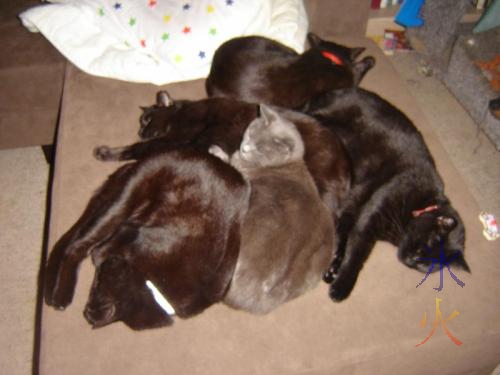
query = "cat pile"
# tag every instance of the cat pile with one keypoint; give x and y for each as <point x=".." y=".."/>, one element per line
<point x="286" y="174"/>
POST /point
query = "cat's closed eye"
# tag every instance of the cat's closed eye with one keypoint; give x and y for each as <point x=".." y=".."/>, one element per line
<point x="277" y="141"/>
<point x="285" y="145"/>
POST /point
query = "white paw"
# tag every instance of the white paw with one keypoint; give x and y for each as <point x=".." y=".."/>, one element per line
<point x="219" y="152"/>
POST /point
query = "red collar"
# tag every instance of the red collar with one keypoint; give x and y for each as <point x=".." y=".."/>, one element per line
<point x="417" y="213"/>
<point x="333" y="58"/>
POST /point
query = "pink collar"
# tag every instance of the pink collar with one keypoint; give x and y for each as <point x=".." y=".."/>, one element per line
<point x="417" y="213"/>
<point x="333" y="58"/>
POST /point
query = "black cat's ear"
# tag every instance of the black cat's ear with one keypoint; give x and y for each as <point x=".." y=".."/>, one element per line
<point x="267" y="113"/>
<point x="446" y="223"/>
<point x="360" y="68"/>
<point x="143" y="109"/>
<point x="355" y="52"/>
<point x="460" y="263"/>
<point x="313" y="40"/>
<point x="163" y="99"/>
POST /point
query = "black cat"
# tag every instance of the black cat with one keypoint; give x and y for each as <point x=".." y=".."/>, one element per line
<point x="170" y="222"/>
<point x="396" y="195"/>
<point x="170" y="125"/>
<point x="260" y="70"/>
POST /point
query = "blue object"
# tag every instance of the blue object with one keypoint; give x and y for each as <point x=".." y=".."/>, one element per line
<point x="490" y="18"/>
<point x="409" y="14"/>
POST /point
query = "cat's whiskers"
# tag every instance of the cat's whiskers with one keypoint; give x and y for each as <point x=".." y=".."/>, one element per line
<point x="396" y="229"/>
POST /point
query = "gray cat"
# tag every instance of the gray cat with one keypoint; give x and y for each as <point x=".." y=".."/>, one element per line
<point x="287" y="234"/>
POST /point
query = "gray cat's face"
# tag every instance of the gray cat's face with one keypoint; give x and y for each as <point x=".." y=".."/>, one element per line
<point x="270" y="140"/>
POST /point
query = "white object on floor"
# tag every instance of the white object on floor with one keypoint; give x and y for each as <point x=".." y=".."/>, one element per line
<point x="490" y="231"/>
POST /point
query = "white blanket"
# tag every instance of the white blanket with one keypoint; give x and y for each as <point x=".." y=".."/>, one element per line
<point x="160" y="41"/>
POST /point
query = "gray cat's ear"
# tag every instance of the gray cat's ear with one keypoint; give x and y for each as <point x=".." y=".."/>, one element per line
<point x="313" y="40"/>
<point x="163" y="99"/>
<point x="267" y="113"/>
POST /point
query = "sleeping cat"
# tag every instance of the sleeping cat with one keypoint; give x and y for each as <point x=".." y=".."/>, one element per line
<point x="286" y="235"/>
<point x="222" y="121"/>
<point x="397" y="194"/>
<point x="261" y="70"/>
<point x="166" y="227"/>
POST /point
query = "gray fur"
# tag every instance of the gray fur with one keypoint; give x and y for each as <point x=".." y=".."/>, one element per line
<point x="287" y="233"/>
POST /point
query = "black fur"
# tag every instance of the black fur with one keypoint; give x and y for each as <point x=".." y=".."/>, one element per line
<point x="222" y="122"/>
<point x="260" y="70"/>
<point x="172" y="219"/>
<point x="394" y="175"/>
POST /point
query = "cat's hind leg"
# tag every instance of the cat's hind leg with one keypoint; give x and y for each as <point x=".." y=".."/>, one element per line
<point x="75" y="245"/>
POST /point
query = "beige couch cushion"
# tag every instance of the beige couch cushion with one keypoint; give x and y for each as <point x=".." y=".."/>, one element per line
<point x="374" y="331"/>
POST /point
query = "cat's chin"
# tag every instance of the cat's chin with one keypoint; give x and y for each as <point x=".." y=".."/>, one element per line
<point x="243" y="155"/>
<point x="425" y="267"/>
<point x="413" y="263"/>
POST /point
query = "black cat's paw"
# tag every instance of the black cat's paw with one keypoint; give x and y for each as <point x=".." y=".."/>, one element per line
<point x="338" y="294"/>
<point x="59" y="298"/>
<point x="329" y="276"/>
<point x="368" y="62"/>
<point x="60" y="282"/>
<point x="102" y="153"/>
<point x="105" y="153"/>
<point x="340" y="289"/>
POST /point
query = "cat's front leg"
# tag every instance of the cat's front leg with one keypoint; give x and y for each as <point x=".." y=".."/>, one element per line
<point x="136" y="151"/>
<point x="106" y="153"/>
<point x="332" y="272"/>
<point x="359" y="233"/>
<point x="361" y="239"/>
<point x="219" y="152"/>
<point x="344" y="227"/>
<point x="357" y="251"/>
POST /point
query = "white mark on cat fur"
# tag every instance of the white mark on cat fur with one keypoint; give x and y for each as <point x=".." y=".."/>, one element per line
<point x="160" y="299"/>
